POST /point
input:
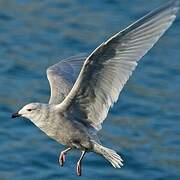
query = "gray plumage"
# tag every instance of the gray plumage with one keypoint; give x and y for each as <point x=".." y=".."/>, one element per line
<point x="62" y="76"/>
<point x="83" y="87"/>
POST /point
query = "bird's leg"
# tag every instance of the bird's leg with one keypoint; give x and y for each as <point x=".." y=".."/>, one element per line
<point x="78" y="167"/>
<point x="62" y="156"/>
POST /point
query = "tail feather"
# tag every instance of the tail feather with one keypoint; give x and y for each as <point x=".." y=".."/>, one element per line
<point x="109" y="155"/>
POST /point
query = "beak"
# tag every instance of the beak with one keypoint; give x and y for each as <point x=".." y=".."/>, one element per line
<point x="16" y="114"/>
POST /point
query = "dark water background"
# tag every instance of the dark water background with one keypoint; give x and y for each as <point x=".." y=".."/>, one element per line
<point x="144" y="125"/>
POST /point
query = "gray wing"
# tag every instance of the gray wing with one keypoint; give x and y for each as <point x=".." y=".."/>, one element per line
<point x="63" y="75"/>
<point x="108" y="68"/>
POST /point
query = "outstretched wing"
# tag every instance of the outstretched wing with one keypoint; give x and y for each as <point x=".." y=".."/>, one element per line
<point x="107" y="69"/>
<point x="62" y="76"/>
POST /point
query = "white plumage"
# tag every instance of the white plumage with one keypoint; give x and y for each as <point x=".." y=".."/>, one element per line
<point x="83" y="88"/>
<point x="109" y="66"/>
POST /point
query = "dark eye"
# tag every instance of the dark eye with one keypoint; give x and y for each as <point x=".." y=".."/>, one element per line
<point x="29" y="109"/>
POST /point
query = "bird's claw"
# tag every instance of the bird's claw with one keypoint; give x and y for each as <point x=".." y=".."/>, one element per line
<point x="78" y="168"/>
<point x="62" y="159"/>
<point x="62" y="156"/>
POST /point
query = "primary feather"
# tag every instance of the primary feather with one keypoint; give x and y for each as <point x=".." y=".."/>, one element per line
<point x="109" y="66"/>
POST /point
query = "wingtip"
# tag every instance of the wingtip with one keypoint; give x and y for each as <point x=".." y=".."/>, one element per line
<point x="171" y="4"/>
<point x="177" y="2"/>
<point x="174" y="3"/>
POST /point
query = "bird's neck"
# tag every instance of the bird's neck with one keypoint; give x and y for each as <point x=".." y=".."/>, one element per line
<point x="45" y="120"/>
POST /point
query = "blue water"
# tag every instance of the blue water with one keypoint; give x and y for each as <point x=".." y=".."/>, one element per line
<point x="143" y="126"/>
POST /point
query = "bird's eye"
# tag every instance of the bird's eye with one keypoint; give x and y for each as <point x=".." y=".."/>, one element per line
<point x="29" y="109"/>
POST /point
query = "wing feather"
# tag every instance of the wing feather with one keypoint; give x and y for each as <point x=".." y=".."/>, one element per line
<point x="63" y="75"/>
<point x="110" y="65"/>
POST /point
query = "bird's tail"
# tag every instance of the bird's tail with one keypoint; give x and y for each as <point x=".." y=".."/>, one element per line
<point x="109" y="154"/>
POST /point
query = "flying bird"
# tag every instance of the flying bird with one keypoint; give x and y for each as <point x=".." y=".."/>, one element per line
<point x="84" y="87"/>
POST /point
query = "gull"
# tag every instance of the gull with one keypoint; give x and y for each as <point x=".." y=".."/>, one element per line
<point x="84" y="87"/>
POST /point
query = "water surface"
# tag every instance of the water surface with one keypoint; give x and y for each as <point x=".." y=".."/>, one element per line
<point x="144" y="124"/>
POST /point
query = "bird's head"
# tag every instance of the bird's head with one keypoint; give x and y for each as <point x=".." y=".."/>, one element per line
<point x="29" y="111"/>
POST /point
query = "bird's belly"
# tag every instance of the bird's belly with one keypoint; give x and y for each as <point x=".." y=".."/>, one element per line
<point x="68" y="133"/>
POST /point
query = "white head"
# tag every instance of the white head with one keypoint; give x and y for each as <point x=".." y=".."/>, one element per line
<point x="31" y="111"/>
<point x="39" y="114"/>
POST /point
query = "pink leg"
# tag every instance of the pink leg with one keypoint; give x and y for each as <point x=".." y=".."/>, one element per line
<point x="62" y="156"/>
<point x="78" y="167"/>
